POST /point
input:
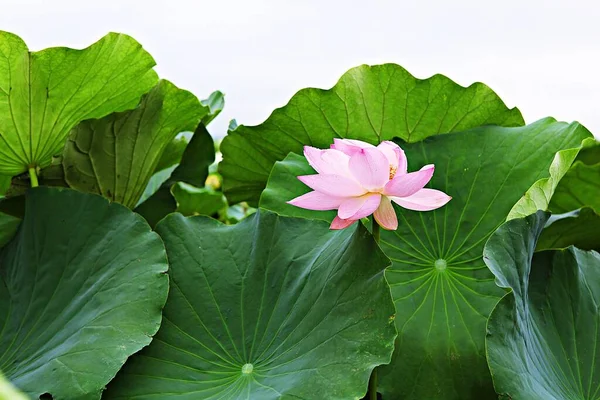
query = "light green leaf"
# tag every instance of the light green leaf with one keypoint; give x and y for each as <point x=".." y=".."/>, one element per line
<point x="580" y="229"/>
<point x="269" y="308"/>
<point x="215" y="103"/>
<point x="543" y="337"/>
<point x="4" y="184"/>
<point x="539" y="194"/>
<point x="8" y="391"/>
<point x="369" y="103"/>
<point x="83" y="287"/>
<point x="43" y="95"/>
<point x="197" y="201"/>
<point x="442" y="289"/>
<point x="117" y="155"/>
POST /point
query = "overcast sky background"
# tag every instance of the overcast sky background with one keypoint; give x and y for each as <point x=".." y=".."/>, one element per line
<point x="542" y="56"/>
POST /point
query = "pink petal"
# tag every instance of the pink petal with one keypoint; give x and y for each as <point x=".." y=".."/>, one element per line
<point x="333" y="185"/>
<point x="409" y="184"/>
<point x="327" y="161"/>
<point x="423" y="200"/>
<point x="359" y="207"/>
<point x="339" y="223"/>
<point x="350" y="146"/>
<point x="371" y="168"/>
<point x="385" y="215"/>
<point x="317" y="201"/>
<point x="395" y="155"/>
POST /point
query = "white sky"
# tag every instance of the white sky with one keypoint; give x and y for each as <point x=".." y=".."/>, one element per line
<point x="542" y="56"/>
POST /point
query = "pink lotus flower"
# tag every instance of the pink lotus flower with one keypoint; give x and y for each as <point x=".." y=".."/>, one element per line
<point x="359" y="179"/>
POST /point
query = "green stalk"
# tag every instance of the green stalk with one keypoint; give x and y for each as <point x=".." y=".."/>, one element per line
<point x="372" y="391"/>
<point x="33" y="177"/>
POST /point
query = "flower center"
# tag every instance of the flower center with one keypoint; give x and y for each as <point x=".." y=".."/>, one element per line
<point x="393" y="172"/>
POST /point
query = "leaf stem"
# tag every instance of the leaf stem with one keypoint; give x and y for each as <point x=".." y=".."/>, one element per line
<point x="33" y="177"/>
<point x="372" y="391"/>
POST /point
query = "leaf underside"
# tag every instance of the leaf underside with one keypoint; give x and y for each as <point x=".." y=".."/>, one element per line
<point x="43" y="95"/>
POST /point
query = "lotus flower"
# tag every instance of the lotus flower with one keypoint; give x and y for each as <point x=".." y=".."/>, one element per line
<point x="359" y="179"/>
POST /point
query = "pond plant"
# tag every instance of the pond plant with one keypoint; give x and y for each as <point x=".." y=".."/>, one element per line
<point x="390" y="237"/>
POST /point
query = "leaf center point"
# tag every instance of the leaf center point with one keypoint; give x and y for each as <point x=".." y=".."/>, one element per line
<point x="440" y="264"/>
<point x="247" y="369"/>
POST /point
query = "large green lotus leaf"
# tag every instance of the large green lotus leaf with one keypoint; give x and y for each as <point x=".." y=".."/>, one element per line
<point x="370" y="103"/>
<point x="580" y="228"/>
<point x="442" y="289"/>
<point x="543" y="340"/>
<point x="269" y="308"/>
<point x="83" y="286"/>
<point x="116" y="156"/>
<point x="43" y="95"/>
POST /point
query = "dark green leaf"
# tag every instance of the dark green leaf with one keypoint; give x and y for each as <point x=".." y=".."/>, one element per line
<point x="269" y="308"/>
<point x="117" y="155"/>
<point x="43" y="95"/>
<point x="8" y="228"/>
<point x="172" y="154"/>
<point x="442" y="289"/>
<point x="543" y="337"/>
<point x="193" y="170"/>
<point x="369" y="103"/>
<point x="83" y="286"/>
<point x="580" y="229"/>
<point x="580" y="187"/>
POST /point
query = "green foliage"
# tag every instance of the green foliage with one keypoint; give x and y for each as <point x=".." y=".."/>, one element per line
<point x="8" y="227"/>
<point x="283" y="312"/>
<point x="269" y="306"/>
<point x="194" y="201"/>
<point x="43" y="95"/>
<point x="117" y="155"/>
<point x="543" y="336"/>
<point x="442" y="290"/>
<point x="191" y="170"/>
<point x="83" y="287"/>
<point x="8" y="391"/>
<point x="580" y="229"/>
<point x="369" y="103"/>
<point x="580" y="187"/>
